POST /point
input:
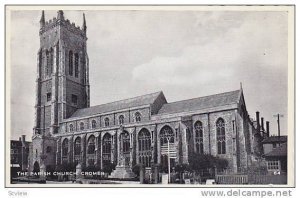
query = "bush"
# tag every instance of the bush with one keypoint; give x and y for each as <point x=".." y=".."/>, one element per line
<point x="108" y="168"/>
<point x="136" y="169"/>
<point x="200" y="162"/>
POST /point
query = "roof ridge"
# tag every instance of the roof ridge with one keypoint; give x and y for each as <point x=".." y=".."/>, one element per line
<point x="202" y="97"/>
<point x="157" y="92"/>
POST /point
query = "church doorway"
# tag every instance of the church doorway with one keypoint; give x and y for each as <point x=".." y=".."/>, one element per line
<point x="36" y="168"/>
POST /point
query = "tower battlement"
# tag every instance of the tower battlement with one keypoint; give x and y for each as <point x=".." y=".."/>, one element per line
<point x="61" y="21"/>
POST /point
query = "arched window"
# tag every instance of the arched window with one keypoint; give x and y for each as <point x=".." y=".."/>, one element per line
<point x="121" y="119"/>
<point x="48" y="149"/>
<point x="81" y="126"/>
<point x="125" y="146"/>
<point x="144" y="146"/>
<point x="47" y="63"/>
<point x="137" y="116"/>
<point x="71" y="63"/>
<point x="51" y="62"/>
<point x="65" y="147"/>
<point x="199" y="137"/>
<point x="167" y="135"/>
<point x="106" y="122"/>
<point x="106" y="148"/>
<point x="76" y="65"/>
<point x="71" y="127"/>
<point x="94" y="124"/>
<point x="77" y="146"/>
<point x="91" y="145"/>
<point x="221" y="142"/>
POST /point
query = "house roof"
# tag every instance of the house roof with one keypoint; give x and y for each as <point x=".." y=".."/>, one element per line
<point x="278" y="152"/>
<point x="275" y="139"/>
<point x="215" y="100"/>
<point x="118" y="105"/>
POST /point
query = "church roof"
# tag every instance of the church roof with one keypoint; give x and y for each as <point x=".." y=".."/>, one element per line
<point x="275" y="139"/>
<point x="147" y="99"/>
<point x="280" y="151"/>
<point x="205" y="102"/>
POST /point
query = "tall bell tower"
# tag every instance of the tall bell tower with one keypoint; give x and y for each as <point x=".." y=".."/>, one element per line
<point x="62" y="82"/>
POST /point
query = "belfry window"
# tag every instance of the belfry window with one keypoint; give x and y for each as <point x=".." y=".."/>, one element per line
<point x="137" y="117"/>
<point x="76" y="65"/>
<point x="221" y="142"/>
<point x="199" y="137"/>
<point x="71" y="63"/>
<point x="48" y="96"/>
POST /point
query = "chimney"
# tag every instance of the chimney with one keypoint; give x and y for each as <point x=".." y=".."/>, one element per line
<point x="262" y="124"/>
<point x="23" y="140"/>
<point x="257" y="121"/>
<point x="268" y="128"/>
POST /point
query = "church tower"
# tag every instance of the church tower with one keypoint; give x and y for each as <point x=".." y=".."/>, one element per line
<point x="62" y="73"/>
<point x="62" y="82"/>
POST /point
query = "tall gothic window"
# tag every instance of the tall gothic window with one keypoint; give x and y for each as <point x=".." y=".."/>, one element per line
<point x="94" y="124"/>
<point x="106" y="122"/>
<point x="121" y="119"/>
<point x="77" y="147"/>
<point x="76" y="65"/>
<point x="71" y="63"/>
<point x="137" y="116"/>
<point x="167" y="134"/>
<point x="91" y="145"/>
<point x="65" y="147"/>
<point x="51" y="62"/>
<point x="125" y="146"/>
<point x="106" y="148"/>
<point x="144" y="145"/>
<point x="199" y="137"/>
<point x="221" y="142"/>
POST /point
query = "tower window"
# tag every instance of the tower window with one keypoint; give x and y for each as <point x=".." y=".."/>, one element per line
<point x="74" y="99"/>
<point x="71" y="63"/>
<point x="48" y="149"/>
<point x="48" y="96"/>
<point x="76" y="65"/>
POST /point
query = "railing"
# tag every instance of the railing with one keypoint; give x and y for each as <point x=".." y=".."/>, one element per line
<point x="251" y="179"/>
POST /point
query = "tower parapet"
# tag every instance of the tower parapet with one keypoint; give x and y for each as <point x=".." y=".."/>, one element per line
<point x="61" y="21"/>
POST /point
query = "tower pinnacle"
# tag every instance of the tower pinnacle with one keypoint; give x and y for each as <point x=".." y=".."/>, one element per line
<point x="42" y="20"/>
<point x="60" y="15"/>
<point x="84" y="23"/>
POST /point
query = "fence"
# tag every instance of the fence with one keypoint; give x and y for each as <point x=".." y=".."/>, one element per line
<point x="251" y="179"/>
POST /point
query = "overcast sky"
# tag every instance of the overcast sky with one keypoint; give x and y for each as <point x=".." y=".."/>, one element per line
<point x="183" y="53"/>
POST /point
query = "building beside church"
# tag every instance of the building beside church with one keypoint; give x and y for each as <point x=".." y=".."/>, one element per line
<point x="131" y="131"/>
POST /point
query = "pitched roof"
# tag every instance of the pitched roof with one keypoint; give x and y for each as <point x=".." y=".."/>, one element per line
<point x="274" y="139"/>
<point x="278" y="152"/>
<point x="215" y="100"/>
<point x="118" y="105"/>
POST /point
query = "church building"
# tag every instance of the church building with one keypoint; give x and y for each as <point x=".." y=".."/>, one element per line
<point x="137" y="130"/>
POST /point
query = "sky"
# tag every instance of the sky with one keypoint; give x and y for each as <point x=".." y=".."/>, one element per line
<point x="186" y="54"/>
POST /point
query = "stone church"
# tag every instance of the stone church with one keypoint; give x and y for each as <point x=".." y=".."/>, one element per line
<point x="127" y="132"/>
